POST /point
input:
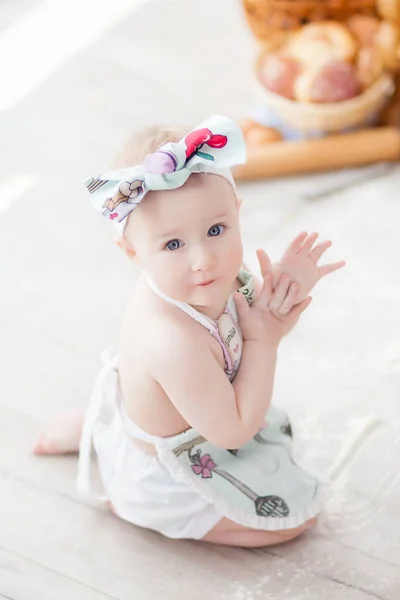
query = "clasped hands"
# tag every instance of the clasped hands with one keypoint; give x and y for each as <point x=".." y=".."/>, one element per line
<point x="292" y="279"/>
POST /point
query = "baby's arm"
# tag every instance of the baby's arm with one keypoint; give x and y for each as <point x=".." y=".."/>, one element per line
<point x="227" y="415"/>
<point x="189" y="373"/>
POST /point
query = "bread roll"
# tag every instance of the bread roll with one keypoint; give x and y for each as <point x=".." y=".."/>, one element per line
<point x="363" y="28"/>
<point x="319" y="42"/>
<point x="369" y="65"/>
<point x="258" y="135"/>
<point x="278" y="73"/>
<point x="389" y="9"/>
<point x="387" y="40"/>
<point x="245" y="125"/>
<point x="334" y="81"/>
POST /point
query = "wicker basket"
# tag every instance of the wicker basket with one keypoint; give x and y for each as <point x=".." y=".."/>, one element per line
<point x="273" y="21"/>
<point x="270" y="17"/>
<point x="318" y="119"/>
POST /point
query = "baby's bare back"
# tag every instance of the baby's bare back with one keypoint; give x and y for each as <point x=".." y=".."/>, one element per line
<point x="146" y="330"/>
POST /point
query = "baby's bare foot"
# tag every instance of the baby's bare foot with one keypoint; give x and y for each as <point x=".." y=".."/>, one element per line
<point x="62" y="436"/>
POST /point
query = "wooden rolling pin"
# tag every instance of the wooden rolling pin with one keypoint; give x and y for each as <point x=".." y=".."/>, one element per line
<point x="333" y="152"/>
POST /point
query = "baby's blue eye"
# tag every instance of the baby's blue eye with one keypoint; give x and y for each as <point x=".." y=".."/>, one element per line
<point x="173" y="245"/>
<point x="215" y="230"/>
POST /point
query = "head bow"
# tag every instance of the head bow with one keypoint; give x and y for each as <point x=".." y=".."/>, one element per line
<point x="213" y="147"/>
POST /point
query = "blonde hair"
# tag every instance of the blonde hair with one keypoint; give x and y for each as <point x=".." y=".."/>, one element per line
<point x="147" y="141"/>
<point x="143" y="142"/>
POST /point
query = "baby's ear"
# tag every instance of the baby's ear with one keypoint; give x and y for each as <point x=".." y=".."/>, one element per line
<point x="125" y="246"/>
<point x="239" y="202"/>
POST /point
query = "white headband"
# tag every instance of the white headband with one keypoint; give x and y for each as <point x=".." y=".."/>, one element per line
<point x="213" y="147"/>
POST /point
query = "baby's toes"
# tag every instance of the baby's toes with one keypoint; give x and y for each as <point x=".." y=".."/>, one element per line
<point x="62" y="436"/>
<point x="46" y="446"/>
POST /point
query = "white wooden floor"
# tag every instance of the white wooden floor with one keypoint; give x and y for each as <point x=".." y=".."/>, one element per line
<point x="63" y="284"/>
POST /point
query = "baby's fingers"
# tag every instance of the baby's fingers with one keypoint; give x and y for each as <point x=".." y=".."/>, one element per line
<point x="242" y="306"/>
<point x="264" y="261"/>
<point x="308" y="244"/>
<point x="327" y="269"/>
<point x="297" y="243"/>
<point x="280" y="293"/>
<point x="300" y="308"/>
<point x="290" y="299"/>
<point x="264" y="296"/>
<point x="319" y="250"/>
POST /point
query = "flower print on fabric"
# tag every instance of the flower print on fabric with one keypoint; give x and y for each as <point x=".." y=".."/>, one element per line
<point x="203" y="465"/>
<point x="196" y="140"/>
<point x="164" y="161"/>
<point x="160" y="162"/>
<point x="213" y="147"/>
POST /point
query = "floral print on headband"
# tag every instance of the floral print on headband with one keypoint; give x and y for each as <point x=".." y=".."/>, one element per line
<point x="214" y="147"/>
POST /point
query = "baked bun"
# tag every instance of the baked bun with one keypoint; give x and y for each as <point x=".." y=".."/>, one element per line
<point x="389" y="9"/>
<point x="369" y="65"/>
<point x="321" y="42"/>
<point x="258" y="135"/>
<point x="387" y="40"/>
<point x="363" y="28"/>
<point x="333" y="81"/>
<point x="278" y="73"/>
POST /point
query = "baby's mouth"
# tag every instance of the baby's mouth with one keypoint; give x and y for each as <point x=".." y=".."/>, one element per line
<point x="205" y="283"/>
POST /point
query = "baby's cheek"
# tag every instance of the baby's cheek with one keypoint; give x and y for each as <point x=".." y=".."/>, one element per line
<point x="169" y="274"/>
<point x="234" y="258"/>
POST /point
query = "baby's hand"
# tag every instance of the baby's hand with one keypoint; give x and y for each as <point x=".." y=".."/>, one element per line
<point x="300" y="262"/>
<point x="273" y="313"/>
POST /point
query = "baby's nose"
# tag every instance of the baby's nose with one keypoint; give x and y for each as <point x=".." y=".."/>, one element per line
<point x="202" y="259"/>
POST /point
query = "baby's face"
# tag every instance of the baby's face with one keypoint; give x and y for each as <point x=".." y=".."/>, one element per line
<point x="188" y="240"/>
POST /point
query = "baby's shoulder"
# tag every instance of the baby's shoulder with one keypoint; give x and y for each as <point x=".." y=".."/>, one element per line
<point x="171" y="330"/>
<point x="158" y="328"/>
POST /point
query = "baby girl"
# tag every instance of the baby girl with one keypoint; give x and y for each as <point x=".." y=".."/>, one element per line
<point x="181" y="419"/>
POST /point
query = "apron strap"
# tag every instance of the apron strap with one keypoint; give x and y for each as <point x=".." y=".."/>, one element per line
<point x="107" y="376"/>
